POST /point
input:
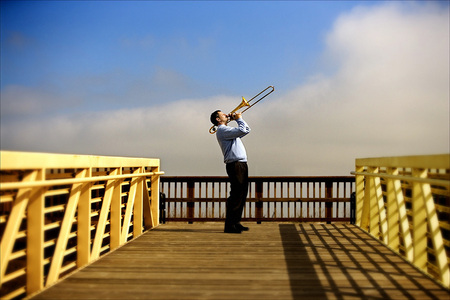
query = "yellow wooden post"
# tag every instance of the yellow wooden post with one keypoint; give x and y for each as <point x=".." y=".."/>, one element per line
<point x="359" y="186"/>
<point x="419" y="221"/>
<point x="374" y="217"/>
<point x="84" y="223"/>
<point x="154" y="188"/>
<point x="115" y="216"/>
<point x="138" y="205"/>
<point x="35" y="237"/>
<point x="365" y="211"/>
<point x="146" y="209"/>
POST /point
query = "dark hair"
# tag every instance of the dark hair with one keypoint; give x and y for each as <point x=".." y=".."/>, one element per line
<point x="214" y="116"/>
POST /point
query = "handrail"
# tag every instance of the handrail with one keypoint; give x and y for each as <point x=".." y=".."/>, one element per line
<point x="405" y="203"/>
<point x="270" y="198"/>
<point x="22" y="185"/>
<point x="59" y="212"/>
<point x="405" y="178"/>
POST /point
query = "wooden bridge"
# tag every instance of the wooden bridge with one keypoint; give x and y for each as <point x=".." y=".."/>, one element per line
<point x="77" y="227"/>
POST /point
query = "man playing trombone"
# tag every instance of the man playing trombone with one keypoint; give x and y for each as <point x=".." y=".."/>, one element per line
<point x="235" y="158"/>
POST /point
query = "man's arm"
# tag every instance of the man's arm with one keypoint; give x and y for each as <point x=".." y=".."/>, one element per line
<point x="235" y="132"/>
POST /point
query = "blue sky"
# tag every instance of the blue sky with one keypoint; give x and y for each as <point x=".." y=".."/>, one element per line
<point x="129" y="78"/>
<point x="213" y="47"/>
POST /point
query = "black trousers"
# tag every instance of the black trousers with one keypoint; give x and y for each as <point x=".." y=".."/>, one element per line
<point x="238" y="175"/>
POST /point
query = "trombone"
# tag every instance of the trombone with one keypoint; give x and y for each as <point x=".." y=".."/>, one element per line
<point x="248" y="104"/>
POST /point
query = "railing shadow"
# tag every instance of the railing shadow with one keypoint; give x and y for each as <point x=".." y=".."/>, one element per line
<point x="341" y="261"/>
<point x="393" y="260"/>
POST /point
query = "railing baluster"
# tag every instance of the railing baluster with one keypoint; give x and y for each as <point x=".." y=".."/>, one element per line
<point x="190" y="204"/>
<point x="328" y="205"/>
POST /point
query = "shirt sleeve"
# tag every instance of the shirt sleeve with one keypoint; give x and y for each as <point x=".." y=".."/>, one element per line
<point x="242" y="130"/>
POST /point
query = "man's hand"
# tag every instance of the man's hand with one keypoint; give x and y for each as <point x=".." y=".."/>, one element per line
<point x="236" y="116"/>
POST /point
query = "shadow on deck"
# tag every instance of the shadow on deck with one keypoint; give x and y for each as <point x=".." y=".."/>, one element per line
<point x="271" y="261"/>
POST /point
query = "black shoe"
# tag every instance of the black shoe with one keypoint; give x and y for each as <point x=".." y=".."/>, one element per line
<point x="232" y="229"/>
<point x="242" y="228"/>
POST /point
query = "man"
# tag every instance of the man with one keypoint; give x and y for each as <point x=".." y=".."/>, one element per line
<point x="235" y="158"/>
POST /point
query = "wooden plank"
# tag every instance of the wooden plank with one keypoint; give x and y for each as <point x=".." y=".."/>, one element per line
<point x="271" y="261"/>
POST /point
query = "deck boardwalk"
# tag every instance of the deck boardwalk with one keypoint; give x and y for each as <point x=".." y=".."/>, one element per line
<point x="271" y="261"/>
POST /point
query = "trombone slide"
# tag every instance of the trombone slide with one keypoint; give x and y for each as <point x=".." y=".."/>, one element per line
<point x="247" y="104"/>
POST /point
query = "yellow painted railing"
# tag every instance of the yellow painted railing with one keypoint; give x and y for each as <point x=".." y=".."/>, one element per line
<point x="405" y="203"/>
<point x="60" y="212"/>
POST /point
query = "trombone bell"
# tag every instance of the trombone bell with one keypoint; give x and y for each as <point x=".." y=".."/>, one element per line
<point x="243" y="104"/>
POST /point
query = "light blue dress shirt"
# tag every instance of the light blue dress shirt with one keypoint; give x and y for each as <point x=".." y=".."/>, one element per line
<point x="229" y="139"/>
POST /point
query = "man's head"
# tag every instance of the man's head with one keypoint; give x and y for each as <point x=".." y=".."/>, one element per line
<point x="218" y="118"/>
<point x="215" y="117"/>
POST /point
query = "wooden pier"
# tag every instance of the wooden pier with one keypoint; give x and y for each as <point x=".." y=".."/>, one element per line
<point x="271" y="261"/>
<point x="72" y="227"/>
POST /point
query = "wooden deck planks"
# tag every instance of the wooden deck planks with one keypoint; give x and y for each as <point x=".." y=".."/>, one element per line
<point x="271" y="261"/>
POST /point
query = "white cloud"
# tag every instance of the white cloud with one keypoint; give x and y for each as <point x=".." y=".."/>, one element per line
<point x="385" y="93"/>
<point x="388" y="96"/>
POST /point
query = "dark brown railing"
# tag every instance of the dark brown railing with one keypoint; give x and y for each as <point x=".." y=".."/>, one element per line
<point x="299" y="198"/>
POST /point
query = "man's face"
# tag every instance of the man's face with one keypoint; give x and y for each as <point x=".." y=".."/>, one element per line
<point x="222" y="117"/>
